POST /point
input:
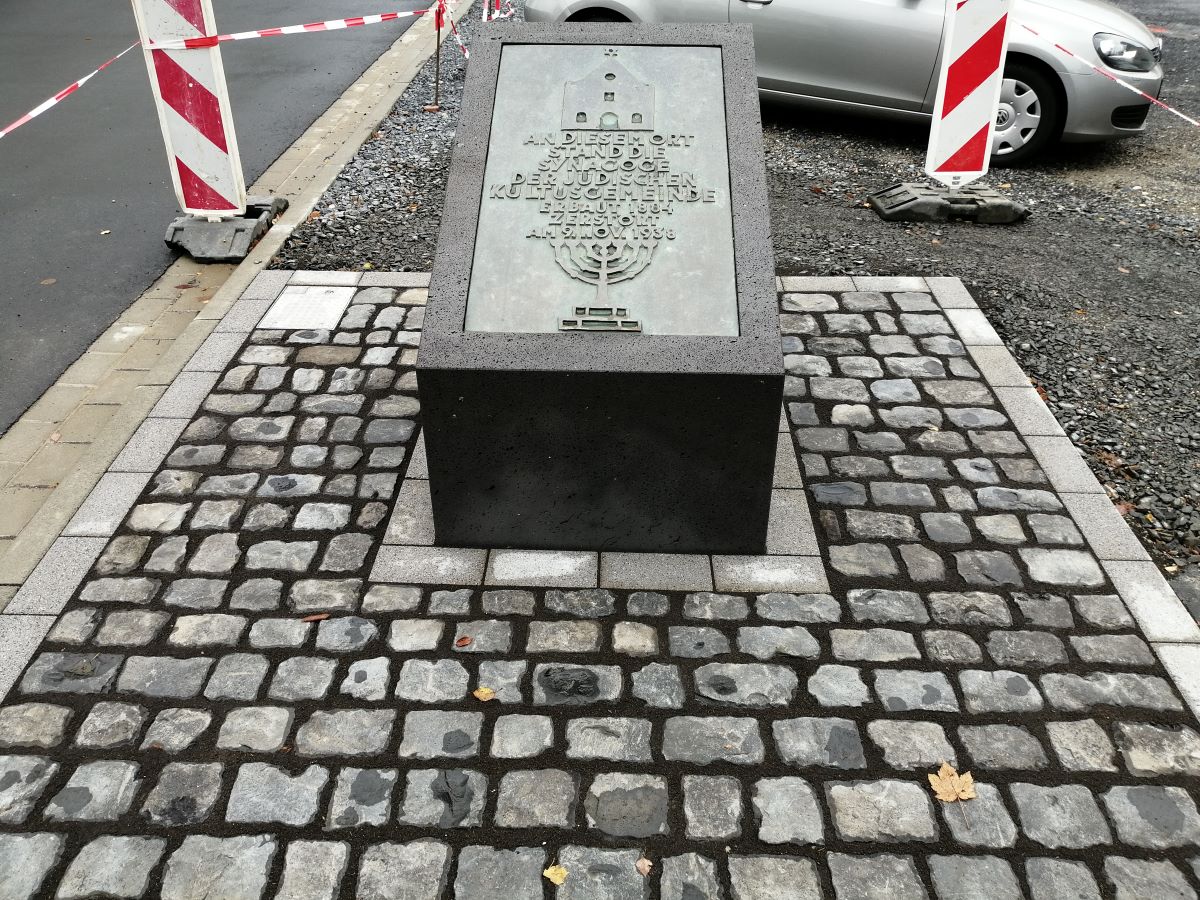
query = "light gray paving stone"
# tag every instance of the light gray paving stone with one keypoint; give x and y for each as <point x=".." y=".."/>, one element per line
<point x="885" y="811"/>
<point x="690" y="875"/>
<point x="345" y="732"/>
<point x="1182" y="662"/>
<point x="451" y="603"/>
<point x="951" y="647"/>
<point x="1153" y="816"/>
<point x="1055" y="879"/>
<point x="773" y="878"/>
<point x="367" y="679"/>
<point x="601" y="875"/>
<point x="834" y="685"/>
<point x="508" y="603"/>
<point x="23" y="780"/>
<point x="787" y="811"/>
<point x="504" y="677"/>
<point x="878" y="877"/>
<point x="482" y="869"/>
<point x="1102" y="525"/>
<point x="413" y="635"/>
<point x="431" y="734"/>
<point x="28" y="858"/>
<point x="263" y="793"/>
<point x="635" y="639"/>
<point x="542" y="568"/>
<point x="302" y="678"/>
<point x="1027" y="649"/>
<point x="696" y="641"/>
<point x="769" y="641"/>
<point x="873" y="645"/>
<point x="712" y="807"/>
<point x="313" y="870"/>
<point x="611" y="738"/>
<point x="877" y="605"/>
<point x="998" y="691"/>
<point x="107" y="505"/>
<point x="485" y="636"/>
<point x="75" y="626"/>
<point x="174" y="730"/>
<point x="785" y="607"/>
<point x="145" y="451"/>
<point x="98" y="791"/>
<point x="983" y="822"/>
<point x="911" y="745"/>
<point x="111" y="866"/>
<point x="445" y="798"/>
<point x="1159" y="613"/>
<point x="746" y="684"/>
<point x="519" y="736"/>
<point x="1063" y="817"/>
<point x="1084" y="746"/>
<point x="704" y="740"/>
<point x="657" y="571"/>
<point x="753" y="574"/>
<point x="432" y="681"/>
<point x="1133" y="879"/>
<point x="71" y="673"/>
<point x="563" y="637"/>
<point x="658" y="685"/>
<point x="1149" y="750"/>
<point x="994" y="747"/>
<point x="973" y="877"/>
<point x="815" y="742"/>
<point x="29" y="725"/>
<point x="627" y="805"/>
<point x="260" y="729"/>
<point x="109" y="725"/>
<point x="542" y="798"/>
<point x="361" y="798"/>
<point x="389" y="598"/>
<point x="864" y="560"/>
<point x="429" y="565"/>
<point x="1079" y="693"/>
<point x="233" y="868"/>
<point x="903" y="690"/>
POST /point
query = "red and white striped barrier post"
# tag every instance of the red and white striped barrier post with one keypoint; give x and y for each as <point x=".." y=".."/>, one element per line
<point x="972" y="74"/>
<point x="193" y="107"/>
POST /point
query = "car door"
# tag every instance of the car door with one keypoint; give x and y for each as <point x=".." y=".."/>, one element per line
<point x="878" y="52"/>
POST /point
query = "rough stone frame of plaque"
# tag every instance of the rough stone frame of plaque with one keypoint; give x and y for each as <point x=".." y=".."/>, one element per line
<point x="601" y="435"/>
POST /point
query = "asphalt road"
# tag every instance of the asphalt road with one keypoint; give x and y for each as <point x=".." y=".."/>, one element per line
<point x="96" y="163"/>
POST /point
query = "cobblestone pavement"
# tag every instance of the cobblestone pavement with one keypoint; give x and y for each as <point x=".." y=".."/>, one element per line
<point x="229" y="706"/>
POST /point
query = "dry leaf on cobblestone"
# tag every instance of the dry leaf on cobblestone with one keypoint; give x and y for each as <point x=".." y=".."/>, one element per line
<point x="463" y="642"/>
<point x="949" y="786"/>
<point x="484" y="694"/>
<point x="555" y="874"/>
<point x="316" y="617"/>
<point x="643" y="866"/>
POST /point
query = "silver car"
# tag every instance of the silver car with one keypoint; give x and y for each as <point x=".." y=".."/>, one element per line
<point x="881" y="57"/>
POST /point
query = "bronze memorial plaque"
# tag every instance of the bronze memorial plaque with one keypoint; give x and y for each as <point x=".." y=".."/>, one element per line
<point x="606" y="199"/>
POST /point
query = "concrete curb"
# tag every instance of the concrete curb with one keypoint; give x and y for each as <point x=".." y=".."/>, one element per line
<point x="302" y="174"/>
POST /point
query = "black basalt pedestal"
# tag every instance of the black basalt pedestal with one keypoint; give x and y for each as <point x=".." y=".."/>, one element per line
<point x="600" y="366"/>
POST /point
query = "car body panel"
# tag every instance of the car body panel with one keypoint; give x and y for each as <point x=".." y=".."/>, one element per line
<point x="880" y="57"/>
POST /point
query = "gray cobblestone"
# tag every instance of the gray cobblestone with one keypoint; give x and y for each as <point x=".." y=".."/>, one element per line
<point x="1002" y="747"/>
<point x="543" y="798"/>
<point x="1132" y="879"/>
<point x="999" y="691"/>
<point x="884" y="811"/>
<point x="1065" y="817"/>
<point x="966" y="878"/>
<point x="827" y="743"/>
<point x="184" y="794"/>
<point x="878" y="877"/>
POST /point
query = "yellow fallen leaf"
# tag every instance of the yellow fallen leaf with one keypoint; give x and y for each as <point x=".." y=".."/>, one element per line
<point x="555" y="874"/>
<point x="643" y="866"/>
<point x="484" y="694"/>
<point x="949" y="786"/>
<point x="48" y="281"/>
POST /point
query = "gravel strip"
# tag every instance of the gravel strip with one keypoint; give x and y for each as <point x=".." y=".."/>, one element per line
<point x="1094" y="294"/>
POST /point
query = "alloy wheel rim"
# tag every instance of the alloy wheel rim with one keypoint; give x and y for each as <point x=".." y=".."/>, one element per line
<point x="1017" y="118"/>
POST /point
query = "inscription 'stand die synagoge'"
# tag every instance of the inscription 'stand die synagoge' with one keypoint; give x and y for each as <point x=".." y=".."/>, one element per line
<point x="605" y="373"/>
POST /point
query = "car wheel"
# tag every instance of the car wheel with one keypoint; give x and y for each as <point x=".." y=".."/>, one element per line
<point x="1029" y="116"/>
<point x="597" y="15"/>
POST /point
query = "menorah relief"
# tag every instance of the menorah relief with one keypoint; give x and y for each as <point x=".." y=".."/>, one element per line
<point x="602" y="262"/>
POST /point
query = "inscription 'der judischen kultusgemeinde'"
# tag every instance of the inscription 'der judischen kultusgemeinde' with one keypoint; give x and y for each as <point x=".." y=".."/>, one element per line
<point x="607" y="186"/>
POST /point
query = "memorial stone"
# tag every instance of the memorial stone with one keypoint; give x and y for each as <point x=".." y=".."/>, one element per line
<point x="600" y="366"/>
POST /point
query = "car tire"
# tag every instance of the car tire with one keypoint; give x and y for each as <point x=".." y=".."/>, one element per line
<point x="1029" y="118"/>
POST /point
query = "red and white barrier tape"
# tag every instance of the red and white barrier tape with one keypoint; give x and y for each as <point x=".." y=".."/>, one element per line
<point x="1111" y="77"/>
<point x="328" y="25"/>
<point x="213" y="40"/>
<point x="497" y="9"/>
<point x="63" y="94"/>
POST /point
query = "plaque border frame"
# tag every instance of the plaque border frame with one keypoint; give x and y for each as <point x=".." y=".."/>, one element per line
<point x="756" y="350"/>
